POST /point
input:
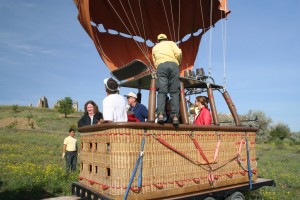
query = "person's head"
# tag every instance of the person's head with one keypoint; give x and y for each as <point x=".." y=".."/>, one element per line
<point x="72" y="132"/>
<point x="90" y="108"/>
<point x="111" y="86"/>
<point x="161" y="37"/>
<point x="131" y="98"/>
<point x="201" y="101"/>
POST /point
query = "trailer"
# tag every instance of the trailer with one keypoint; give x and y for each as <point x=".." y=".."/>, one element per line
<point x="232" y="192"/>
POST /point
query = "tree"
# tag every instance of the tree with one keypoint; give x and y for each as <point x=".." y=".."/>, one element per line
<point x="280" y="131"/>
<point x="65" y="106"/>
<point x="263" y="124"/>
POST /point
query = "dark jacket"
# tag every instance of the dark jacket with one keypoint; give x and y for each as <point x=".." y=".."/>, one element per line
<point x="140" y="111"/>
<point x="86" y="120"/>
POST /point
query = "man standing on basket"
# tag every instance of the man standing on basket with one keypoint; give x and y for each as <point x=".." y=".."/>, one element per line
<point x="167" y="57"/>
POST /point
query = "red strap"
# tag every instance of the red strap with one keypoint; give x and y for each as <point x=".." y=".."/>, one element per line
<point x="135" y="189"/>
<point x="104" y="187"/>
<point x="179" y="183"/>
<point x="240" y="148"/>
<point x="159" y="186"/>
<point x="200" y="150"/>
<point x="211" y="178"/>
<point x="217" y="150"/>
<point x="91" y="182"/>
<point x="152" y="89"/>
<point x="196" y="180"/>
<point x="162" y="141"/>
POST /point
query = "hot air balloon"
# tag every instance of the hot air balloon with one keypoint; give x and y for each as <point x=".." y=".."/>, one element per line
<point x="146" y="160"/>
<point x="123" y="31"/>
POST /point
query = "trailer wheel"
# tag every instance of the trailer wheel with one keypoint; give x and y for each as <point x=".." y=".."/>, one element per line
<point x="209" y="198"/>
<point x="236" y="196"/>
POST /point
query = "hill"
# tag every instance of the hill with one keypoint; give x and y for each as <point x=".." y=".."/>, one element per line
<point x="30" y="152"/>
<point x="44" y="119"/>
<point x="31" y="166"/>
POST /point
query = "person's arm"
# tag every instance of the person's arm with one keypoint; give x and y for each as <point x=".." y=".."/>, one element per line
<point x="81" y="122"/>
<point x="107" y="111"/>
<point x="207" y="118"/>
<point x="145" y="112"/>
<point x="64" y="151"/>
<point x="177" y="52"/>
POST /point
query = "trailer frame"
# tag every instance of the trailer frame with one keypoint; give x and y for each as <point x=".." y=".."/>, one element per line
<point x="216" y="193"/>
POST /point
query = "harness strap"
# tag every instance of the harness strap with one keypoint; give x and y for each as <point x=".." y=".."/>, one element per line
<point x="217" y="150"/>
<point x="200" y="150"/>
<point x="138" y="163"/>
<point x="248" y="163"/>
<point x="162" y="141"/>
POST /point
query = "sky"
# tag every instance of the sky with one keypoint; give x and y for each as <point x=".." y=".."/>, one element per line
<point x="44" y="51"/>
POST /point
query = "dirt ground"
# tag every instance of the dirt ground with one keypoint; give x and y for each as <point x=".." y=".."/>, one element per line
<point x="17" y="122"/>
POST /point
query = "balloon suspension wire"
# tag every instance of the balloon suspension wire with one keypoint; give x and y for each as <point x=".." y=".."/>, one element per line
<point x="203" y="29"/>
<point x="210" y="41"/>
<point x="144" y="46"/>
<point x="145" y="36"/>
<point x="167" y="21"/>
<point x="173" y="24"/>
<point x="179" y="15"/>
<point x="137" y="43"/>
<point x="224" y="45"/>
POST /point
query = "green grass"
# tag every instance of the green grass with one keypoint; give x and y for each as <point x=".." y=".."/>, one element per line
<point x="31" y="166"/>
<point x="30" y="159"/>
<point x="282" y="165"/>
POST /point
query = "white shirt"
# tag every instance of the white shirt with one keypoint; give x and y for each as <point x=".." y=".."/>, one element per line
<point x="71" y="143"/>
<point x="114" y="108"/>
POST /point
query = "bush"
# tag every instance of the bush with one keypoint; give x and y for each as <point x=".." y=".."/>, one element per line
<point x="279" y="144"/>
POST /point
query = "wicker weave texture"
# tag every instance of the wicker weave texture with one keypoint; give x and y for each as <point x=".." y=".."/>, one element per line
<point x="109" y="157"/>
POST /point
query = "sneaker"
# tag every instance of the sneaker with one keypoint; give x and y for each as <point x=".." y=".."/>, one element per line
<point x="175" y="120"/>
<point x="160" y="118"/>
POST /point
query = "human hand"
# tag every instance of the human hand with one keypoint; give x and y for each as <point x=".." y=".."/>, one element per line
<point x="100" y="121"/>
<point x="63" y="155"/>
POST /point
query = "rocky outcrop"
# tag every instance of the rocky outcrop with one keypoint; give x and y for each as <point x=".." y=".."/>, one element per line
<point x="75" y="106"/>
<point x="43" y="103"/>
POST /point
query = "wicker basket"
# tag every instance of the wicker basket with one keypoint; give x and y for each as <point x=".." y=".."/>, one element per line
<point x="175" y="161"/>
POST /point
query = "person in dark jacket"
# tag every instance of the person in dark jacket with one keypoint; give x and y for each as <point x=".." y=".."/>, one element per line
<point x="91" y="114"/>
<point x="140" y="111"/>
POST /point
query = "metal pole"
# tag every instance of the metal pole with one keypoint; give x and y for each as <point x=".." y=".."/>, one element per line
<point x="152" y="100"/>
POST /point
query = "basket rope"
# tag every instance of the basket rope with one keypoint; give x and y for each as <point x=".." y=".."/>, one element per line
<point x="139" y="163"/>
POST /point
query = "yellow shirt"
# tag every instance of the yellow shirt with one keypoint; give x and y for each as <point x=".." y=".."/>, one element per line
<point x="166" y="51"/>
<point x="71" y="143"/>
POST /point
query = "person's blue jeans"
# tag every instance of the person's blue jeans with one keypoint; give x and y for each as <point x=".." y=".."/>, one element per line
<point x="71" y="160"/>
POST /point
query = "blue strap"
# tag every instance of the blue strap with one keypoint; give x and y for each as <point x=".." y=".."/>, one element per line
<point x="138" y="162"/>
<point x="141" y="164"/>
<point x="248" y="163"/>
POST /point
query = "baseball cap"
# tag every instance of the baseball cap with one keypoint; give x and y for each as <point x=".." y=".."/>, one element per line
<point x="131" y="94"/>
<point x="111" y="84"/>
<point x="161" y="36"/>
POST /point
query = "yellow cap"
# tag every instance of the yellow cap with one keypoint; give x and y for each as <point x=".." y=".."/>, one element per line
<point x="161" y="37"/>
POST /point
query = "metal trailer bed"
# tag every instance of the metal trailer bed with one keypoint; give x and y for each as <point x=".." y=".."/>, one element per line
<point x="228" y="192"/>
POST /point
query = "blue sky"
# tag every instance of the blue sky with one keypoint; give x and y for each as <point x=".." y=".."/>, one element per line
<point x="45" y="52"/>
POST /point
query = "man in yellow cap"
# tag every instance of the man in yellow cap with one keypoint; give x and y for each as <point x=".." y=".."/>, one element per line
<point x="167" y="57"/>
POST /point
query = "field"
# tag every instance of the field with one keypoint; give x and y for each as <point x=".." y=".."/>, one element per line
<point x="31" y="166"/>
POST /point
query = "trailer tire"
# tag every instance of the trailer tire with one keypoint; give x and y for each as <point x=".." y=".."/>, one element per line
<point x="236" y="196"/>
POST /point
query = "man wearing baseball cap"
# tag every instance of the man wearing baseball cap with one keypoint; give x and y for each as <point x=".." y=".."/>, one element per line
<point x="140" y="111"/>
<point x="167" y="57"/>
